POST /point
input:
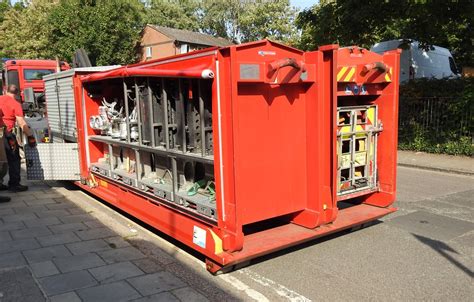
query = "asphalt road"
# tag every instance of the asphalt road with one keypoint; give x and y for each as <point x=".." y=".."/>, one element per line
<point x="422" y="252"/>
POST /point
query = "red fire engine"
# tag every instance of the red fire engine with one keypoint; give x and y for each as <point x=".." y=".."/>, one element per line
<point x="28" y="74"/>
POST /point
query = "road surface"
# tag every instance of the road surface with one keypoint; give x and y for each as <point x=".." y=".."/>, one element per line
<point x="422" y="252"/>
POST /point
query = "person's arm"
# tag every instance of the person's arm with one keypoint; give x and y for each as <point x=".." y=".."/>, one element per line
<point x="22" y="123"/>
<point x="27" y="130"/>
<point x="20" y="119"/>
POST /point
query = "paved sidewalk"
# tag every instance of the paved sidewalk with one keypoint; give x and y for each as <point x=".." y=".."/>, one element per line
<point x="60" y="244"/>
<point x="437" y="162"/>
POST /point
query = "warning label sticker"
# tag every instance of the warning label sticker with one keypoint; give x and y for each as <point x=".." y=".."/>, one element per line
<point x="199" y="237"/>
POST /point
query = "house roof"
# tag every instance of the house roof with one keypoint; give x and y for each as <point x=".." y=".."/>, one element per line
<point x="190" y="36"/>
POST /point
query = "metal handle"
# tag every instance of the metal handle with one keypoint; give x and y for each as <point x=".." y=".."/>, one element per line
<point x="275" y="65"/>
<point x="376" y="65"/>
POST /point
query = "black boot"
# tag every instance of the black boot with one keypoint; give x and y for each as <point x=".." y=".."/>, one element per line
<point x="18" y="188"/>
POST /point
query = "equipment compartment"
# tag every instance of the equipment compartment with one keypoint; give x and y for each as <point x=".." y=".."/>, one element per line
<point x="357" y="132"/>
<point x="158" y="141"/>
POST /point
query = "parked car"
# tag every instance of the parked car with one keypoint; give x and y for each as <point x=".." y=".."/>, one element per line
<point x="416" y="62"/>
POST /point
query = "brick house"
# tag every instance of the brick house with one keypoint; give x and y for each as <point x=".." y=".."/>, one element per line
<point x="158" y="42"/>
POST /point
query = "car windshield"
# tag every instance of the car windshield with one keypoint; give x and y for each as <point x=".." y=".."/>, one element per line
<point x="452" y="65"/>
<point x="36" y="74"/>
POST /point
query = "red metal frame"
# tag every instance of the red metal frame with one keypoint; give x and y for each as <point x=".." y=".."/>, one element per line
<point x="275" y="147"/>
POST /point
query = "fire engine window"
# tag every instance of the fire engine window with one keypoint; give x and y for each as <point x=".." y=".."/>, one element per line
<point x="345" y="174"/>
<point x="12" y="76"/>
<point x="346" y="146"/>
<point x="360" y="144"/>
<point x="344" y="118"/>
<point x="36" y="74"/>
<point x="361" y="116"/>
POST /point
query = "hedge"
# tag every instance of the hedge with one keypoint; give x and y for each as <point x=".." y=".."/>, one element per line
<point x="436" y="116"/>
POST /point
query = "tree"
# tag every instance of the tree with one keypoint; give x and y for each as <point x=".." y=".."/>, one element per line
<point x="222" y="18"/>
<point x="243" y="21"/>
<point x="269" y="19"/>
<point x="349" y="22"/>
<point x="181" y="14"/>
<point x="108" y="30"/>
<point x="24" y="31"/>
<point x="4" y="7"/>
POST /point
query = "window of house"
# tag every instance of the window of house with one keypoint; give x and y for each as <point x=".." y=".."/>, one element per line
<point x="184" y="48"/>
<point x="148" y="52"/>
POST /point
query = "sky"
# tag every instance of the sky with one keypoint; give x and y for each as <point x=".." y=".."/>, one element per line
<point x="302" y="4"/>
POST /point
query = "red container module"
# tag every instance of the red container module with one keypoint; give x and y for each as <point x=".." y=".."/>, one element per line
<point x="244" y="150"/>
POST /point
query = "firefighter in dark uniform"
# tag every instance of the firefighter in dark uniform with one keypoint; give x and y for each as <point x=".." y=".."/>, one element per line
<point x="12" y="114"/>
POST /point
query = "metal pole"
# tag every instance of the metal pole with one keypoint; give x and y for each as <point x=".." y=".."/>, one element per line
<point x="202" y="118"/>
<point x="127" y="113"/>
<point x="138" y="170"/>
<point x="164" y="98"/>
<point x="183" y="116"/>
<point x="174" y="171"/>
<point x="111" y="158"/>
<point x="139" y="117"/>
<point x="150" y="109"/>
<point x="56" y="89"/>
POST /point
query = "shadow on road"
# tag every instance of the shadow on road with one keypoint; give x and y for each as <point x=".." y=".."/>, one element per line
<point x="443" y="249"/>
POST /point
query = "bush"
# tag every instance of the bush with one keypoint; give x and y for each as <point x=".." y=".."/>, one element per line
<point x="437" y="116"/>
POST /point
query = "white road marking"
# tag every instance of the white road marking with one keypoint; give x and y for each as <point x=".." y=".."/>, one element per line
<point x="281" y="290"/>
<point x="239" y="285"/>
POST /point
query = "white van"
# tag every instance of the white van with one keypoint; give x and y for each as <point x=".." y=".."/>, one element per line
<point x="415" y="62"/>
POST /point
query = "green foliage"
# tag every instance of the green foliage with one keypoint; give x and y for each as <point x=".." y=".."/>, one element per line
<point x="181" y="14"/>
<point x="437" y="116"/>
<point x="4" y="7"/>
<point x="269" y="19"/>
<point x="108" y="30"/>
<point x="363" y="23"/>
<point x="222" y="18"/>
<point x="24" y="31"/>
<point x="243" y="21"/>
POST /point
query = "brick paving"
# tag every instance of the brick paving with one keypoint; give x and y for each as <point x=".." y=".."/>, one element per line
<point x="51" y="249"/>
